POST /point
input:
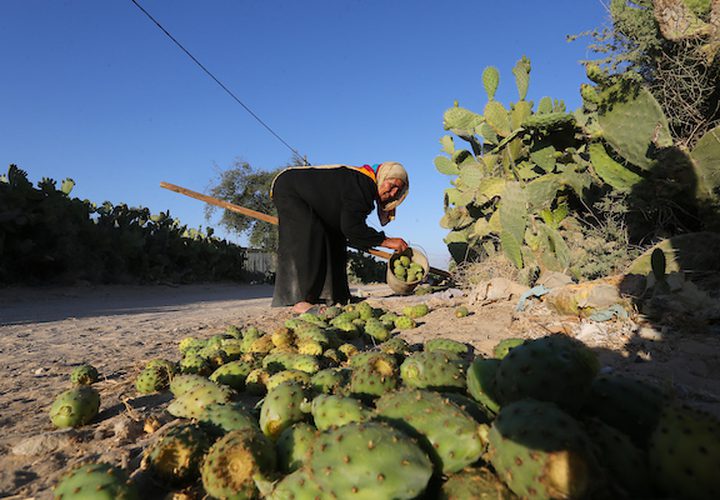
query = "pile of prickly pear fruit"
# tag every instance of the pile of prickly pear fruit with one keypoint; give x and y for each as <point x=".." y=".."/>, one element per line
<point x="406" y="270"/>
<point x="318" y="410"/>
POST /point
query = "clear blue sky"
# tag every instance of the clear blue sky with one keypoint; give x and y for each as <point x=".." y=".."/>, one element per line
<point x="94" y="91"/>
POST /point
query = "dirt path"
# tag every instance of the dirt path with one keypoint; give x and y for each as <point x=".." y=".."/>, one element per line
<point x="44" y="333"/>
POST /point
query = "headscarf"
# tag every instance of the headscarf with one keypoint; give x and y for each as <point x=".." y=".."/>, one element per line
<point x="386" y="171"/>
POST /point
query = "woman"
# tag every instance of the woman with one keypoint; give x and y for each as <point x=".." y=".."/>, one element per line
<point x="322" y="209"/>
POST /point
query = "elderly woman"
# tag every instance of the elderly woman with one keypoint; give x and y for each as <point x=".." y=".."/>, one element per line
<point x="322" y="209"/>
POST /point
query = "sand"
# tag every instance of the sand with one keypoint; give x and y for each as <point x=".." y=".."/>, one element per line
<point x="45" y="332"/>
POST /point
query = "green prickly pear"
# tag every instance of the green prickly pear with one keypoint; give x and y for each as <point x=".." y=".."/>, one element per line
<point x="98" y="481"/>
<point x="491" y="80"/>
<point x="75" y="407"/>
<point x="84" y="375"/>
<point x="176" y="456"/>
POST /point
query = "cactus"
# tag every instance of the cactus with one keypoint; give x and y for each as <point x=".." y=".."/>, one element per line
<point x="368" y="461"/>
<point x="97" y="481"/>
<point x="377" y="330"/>
<point x="220" y="418"/>
<point x="461" y="312"/>
<point x="481" y="382"/>
<point x="554" y="368"/>
<point x="684" y="451"/>
<point x="152" y="379"/>
<point x="194" y="364"/>
<point x="374" y="377"/>
<point x="541" y="452"/>
<point x="503" y="347"/>
<point x="293" y="444"/>
<point x="75" y="407"/>
<point x="439" y="371"/>
<point x="627" y="464"/>
<point x="416" y="311"/>
<point x="256" y="381"/>
<point x="296" y="376"/>
<point x="491" y="80"/>
<point x="447" y="345"/>
<point x="329" y="380"/>
<point x="629" y="405"/>
<point x="181" y="384"/>
<point x="447" y="433"/>
<point x="297" y="485"/>
<point x="233" y="374"/>
<point x="405" y="323"/>
<point x="281" y="408"/>
<point x="236" y="462"/>
<point x="192" y="403"/>
<point x="84" y="375"/>
<point x="176" y="456"/>
<point x="334" y="411"/>
<point x="474" y="483"/>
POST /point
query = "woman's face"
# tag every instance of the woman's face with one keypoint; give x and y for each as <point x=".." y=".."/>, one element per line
<point x="390" y="189"/>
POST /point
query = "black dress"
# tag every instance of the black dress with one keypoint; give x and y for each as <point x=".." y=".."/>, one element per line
<point x="320" y="210"/>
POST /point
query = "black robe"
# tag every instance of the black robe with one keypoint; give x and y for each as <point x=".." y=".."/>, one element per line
<point x="320" y="210"/>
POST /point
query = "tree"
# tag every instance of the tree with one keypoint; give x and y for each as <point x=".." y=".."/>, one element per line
<point x="250" y="188"/>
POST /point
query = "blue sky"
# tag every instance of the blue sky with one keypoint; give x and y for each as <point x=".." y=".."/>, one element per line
<point x="94" y="91"/>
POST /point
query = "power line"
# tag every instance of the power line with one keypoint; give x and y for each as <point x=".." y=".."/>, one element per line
<point x="218" y="81"/>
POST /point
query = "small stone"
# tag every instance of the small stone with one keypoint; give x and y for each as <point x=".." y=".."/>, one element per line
<point x="649" y="333"/>
<point x="45" y="443"/>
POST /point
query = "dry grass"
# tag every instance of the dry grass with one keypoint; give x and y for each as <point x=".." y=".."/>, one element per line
<point x="471" y="274"/>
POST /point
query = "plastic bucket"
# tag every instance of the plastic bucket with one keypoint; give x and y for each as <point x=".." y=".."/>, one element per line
<point x="406" y="287"/>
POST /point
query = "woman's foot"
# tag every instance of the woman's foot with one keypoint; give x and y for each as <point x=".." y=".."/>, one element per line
<point x="302" y="307"/>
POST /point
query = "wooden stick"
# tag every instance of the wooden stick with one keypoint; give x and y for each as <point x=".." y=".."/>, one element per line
<point x="267" y="218"/>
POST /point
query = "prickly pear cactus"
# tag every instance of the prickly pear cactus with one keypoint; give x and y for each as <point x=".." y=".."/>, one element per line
<point x="447" y="345"/>
<point x="684" y="453"/>
<point x="99" y="481"/>
<point x="296" y="376"/>
<point x="377" y="330"/>
<point x="193" y="402"/>
<point x="405" y="323"/>
<point x="368" y="461"/>
<point x="439" y="370"/>
<point x="293" y="445"/>
<point x="416" y="311"/>
<point x="461" y="312"/>
<point x="446" y="432"/>
<point x="541" y="452"/>
<point x="75" y="407"/>
<point x="334" y="411"/>
<point x="220" y="418"/>
<point x="84" y="375"/>
<point x="480" y="484"/>
<point x="236" y="462"/>
<point x="374" y="377"/>
<point x="176" y="456"/>
<point x="233" y="374"/>
<point x="153" y="379"/>
<point x="297" y="486"/>
<point x="329" y="380"/>
<point x="481" y="382"/>
<point x="554" y="368"/>
<point x="504" y="346"/>
<point x="281" y="408"/>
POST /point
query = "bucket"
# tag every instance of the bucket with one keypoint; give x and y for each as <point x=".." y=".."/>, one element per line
<point x="406" y="287"/>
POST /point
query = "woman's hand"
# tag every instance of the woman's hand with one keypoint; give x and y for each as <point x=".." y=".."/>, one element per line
<point x="397" y="244"/>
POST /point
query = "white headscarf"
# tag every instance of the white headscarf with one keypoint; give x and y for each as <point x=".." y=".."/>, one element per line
<point x="386" y="171"/>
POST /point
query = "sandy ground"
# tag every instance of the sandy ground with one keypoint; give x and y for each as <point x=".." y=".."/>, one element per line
<point x="45" y="332"/>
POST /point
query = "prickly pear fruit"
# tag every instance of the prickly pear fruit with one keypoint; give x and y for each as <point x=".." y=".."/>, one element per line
<point x="281" y="408"/>
<point x="461" y="312"/>
<point x="75" y="407"/>
<point x="396" y="347"/>
<point x="84" y="375"/>
<point x="684" y="453"/>
<point x="297" y="376"/>
<point x="293" y="445"/>
<point x="367" y="461"/>
<point x="416" y="311"/>
<point x="404" y="323"/>
<point x="235" y="462"/>
<point x="555" y="368"/>
<point x="447" y="433"/>
<point x="192" y="403"/>
<point x="541" y="451"/>
<point x="220" y="418"/>
<point x="256" y="382"/>
<point x="175" y="458"/>
<point x="329" y="380"/>
<point x="181" y="384"/>
<point x="376" y="329"/>
<point x="151" y="380"/>
<point x="330" y="411"/>
<point x="437" y="370"/>
<point x="505" y="346"/>
<point x="480" y="484"/>
<point x="481" y="382"/>
<point x="166" y="365"/>
<point x="374" y="377"/>
<point x="447" y="345"/>
<point x="233" y="374"/>
<point x="100" y="481"/>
